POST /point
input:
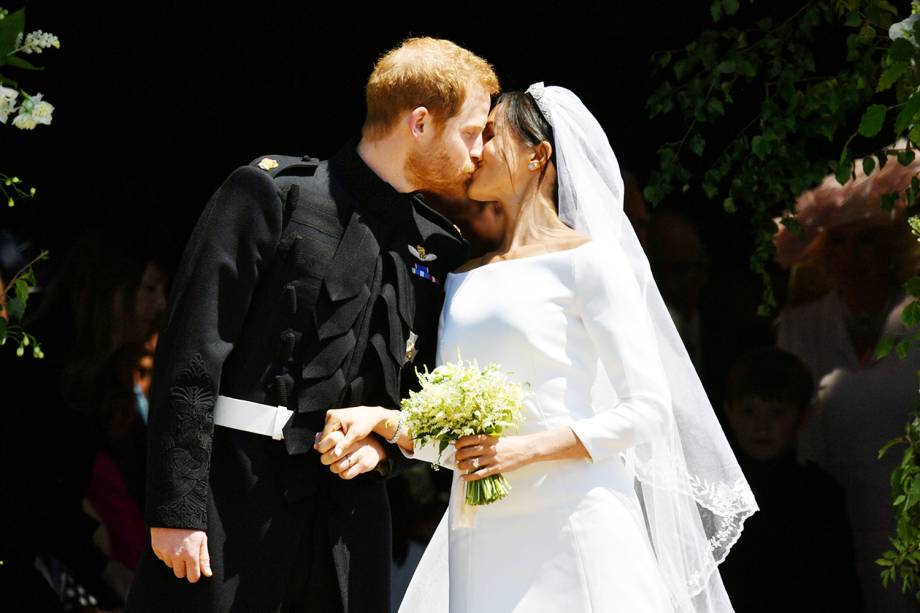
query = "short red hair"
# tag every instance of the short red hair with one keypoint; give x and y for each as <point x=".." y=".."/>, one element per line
<point x="429" y="72"/>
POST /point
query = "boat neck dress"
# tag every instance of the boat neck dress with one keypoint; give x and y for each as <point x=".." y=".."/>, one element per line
<point x="571" y="535"/>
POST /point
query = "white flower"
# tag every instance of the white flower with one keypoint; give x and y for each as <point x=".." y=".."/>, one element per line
<point x="7" y="102"/>
<point x="904" y="29"/>
<point x="38" y="40"/>
<point x="32" y="112"/>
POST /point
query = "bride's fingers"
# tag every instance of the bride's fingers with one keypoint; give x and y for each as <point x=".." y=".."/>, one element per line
<point x="476" y="463"/>
<point x="481" y="473"/>
<point x="325" y="445"/>
<point x="474" y="451"/>
<point x="475" y="439"/>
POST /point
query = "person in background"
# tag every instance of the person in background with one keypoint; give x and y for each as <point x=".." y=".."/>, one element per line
<point x="109" y="292"/>
<point x="845" y="298"/>
<point x="796" y="554"/>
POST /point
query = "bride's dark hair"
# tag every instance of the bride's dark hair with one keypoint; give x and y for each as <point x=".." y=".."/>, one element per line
<point x="520" y="113"/>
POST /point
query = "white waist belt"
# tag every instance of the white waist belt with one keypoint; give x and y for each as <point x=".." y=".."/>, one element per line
<point x="251" y="416"/>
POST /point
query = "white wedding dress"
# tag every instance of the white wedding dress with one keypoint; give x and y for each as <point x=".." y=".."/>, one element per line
<point x="571" y="535"/>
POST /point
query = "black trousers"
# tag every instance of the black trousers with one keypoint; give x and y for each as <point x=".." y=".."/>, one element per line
<point x="282" y="532"/>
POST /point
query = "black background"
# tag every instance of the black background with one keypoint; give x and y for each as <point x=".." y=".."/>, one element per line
<point x="156" y="102"/>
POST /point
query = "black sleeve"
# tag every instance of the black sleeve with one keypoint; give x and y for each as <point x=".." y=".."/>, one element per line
<point x="230" y="248"/>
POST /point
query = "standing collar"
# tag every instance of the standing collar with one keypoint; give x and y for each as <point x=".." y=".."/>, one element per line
<point x="373" y="194"/>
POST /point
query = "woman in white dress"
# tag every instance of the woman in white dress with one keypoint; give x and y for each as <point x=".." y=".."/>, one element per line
<point x="624" y="493"/>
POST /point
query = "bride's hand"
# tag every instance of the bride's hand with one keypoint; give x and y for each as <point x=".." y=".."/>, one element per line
<point x="489" y="455"/>
<point x="359" y="458"/>
<point x="355" y="423"/>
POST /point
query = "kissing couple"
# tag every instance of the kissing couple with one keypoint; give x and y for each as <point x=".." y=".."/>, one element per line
<point x="311" y="291"/>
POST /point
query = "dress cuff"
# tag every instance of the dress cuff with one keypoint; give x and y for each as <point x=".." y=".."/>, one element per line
<point x="429" y="453"/>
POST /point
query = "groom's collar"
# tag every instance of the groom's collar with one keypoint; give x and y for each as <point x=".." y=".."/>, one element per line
<point x="374" y="195"/>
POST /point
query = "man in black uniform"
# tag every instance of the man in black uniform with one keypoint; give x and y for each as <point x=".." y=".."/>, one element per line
<point x="305" y="286"/>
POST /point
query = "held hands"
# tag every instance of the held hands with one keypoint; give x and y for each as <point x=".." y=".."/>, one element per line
<point x="485" y="455"/>
<point x="355" y="423"/>
<point x="354" y="460"/>
<point x="184" y="551"/>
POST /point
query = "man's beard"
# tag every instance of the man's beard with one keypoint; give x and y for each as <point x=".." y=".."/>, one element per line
<point x="433" y="171"/>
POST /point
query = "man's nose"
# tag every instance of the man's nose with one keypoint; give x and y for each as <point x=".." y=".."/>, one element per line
<point x="476" y="151"/>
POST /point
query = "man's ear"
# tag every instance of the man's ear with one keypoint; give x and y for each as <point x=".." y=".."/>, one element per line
<point x="418" y="121"/>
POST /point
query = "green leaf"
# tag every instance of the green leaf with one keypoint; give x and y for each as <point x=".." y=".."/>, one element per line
<point x="884" y="347"/>
<point x="729" y="205"/>
<point x="697" y="144"/>
<point x="761" y="146"/>
<point x="726" y="67"/>
<point x="853" y="20"/>
<point x="888" y="201"/>
<point x="901" y="50"/>
<point x="872" y="120"/>
<point x="907" y="113"/>
<point x="906" y="157"/>
<point x="2" y="330"/>
<point x="914" y="135"/>
<point x="680" y="67"/>
<point x="912" y="286"/>
<point x="914" y="496"/>
<point x="911" y="314"/>
<point x="716" y="10"/>
<point x="886" y="6"/>
<point x="10" y="28"/>
<point x="18" y="62"/>
<point x="890" y="75"/>
<point x="663" y="59"/>
<point x="22" y="291"/>
<point x="715" y="106"/>
<point x="843" y="168"/>
<point x="887" y="446"/>
<point x="730" y="6"/>
<point x="902" y="347"/>
<point x="868" y="164"/>
<point x="16" y="308"/>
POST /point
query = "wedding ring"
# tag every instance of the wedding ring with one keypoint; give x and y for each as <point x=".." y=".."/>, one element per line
<point x="475" y="463"/>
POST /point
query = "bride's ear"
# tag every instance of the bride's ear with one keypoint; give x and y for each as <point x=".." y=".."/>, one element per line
<point x="541" y="156"/>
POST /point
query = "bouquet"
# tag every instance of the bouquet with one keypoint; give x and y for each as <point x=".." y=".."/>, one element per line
<point x="460" y="399"/>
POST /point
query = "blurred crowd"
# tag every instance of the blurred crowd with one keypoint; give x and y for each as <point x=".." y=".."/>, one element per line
<point x="803" y="398"/>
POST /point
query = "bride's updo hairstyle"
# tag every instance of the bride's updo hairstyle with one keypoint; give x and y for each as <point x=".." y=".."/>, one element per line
<point x="518" y="111"/>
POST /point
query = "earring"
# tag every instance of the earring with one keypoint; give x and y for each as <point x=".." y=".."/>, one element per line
<point x="533" y="165"/>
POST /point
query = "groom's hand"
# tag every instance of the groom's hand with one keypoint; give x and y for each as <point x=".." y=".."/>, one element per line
<point x="361" y="457"/>
<point x="184" y="551"/>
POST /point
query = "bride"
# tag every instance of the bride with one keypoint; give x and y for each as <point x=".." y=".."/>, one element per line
<point x="624" y="493"/>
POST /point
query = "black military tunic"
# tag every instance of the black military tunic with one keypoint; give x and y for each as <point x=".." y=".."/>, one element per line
<point x="313" y="285"/>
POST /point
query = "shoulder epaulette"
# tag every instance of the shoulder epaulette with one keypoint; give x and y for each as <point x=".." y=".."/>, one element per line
<point x="281" y="165"/>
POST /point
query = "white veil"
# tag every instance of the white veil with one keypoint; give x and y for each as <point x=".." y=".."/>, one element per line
<point x="693" y="493"/>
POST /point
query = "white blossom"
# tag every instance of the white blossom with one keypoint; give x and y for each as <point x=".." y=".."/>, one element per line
<point x="904" y="29"/>
<point x="36" y="41"/>
<point x="33" y="111"/>
<point x="7" y="102"/>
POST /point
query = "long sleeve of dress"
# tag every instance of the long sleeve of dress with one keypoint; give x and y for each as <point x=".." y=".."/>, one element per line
<point x="612" y="308"/>
<point x="234" y="240"/>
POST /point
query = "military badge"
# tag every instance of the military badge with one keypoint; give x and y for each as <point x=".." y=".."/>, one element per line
<point x="420" y="270"/>
<point x="420" y="254"/>
<point x="410" y="346"/>
<point x="268" y="164"/>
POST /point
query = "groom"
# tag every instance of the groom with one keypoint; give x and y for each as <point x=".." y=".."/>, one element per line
<point x="305" y="286"/>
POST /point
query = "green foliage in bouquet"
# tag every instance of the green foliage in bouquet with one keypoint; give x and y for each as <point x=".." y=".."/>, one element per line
<point x="461" y="399"/>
